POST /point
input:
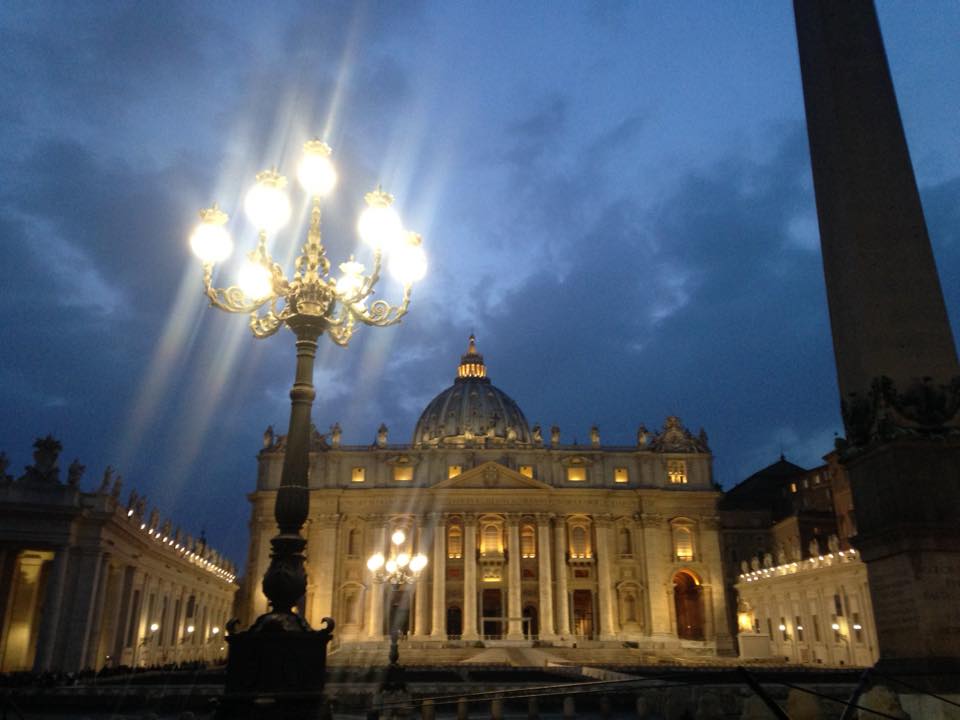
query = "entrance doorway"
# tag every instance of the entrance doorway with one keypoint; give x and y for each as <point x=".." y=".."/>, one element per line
<point x="492" y="612"/>
<point x="583" y="613"/>
<point x="454" y="621"/>
<point x="530" y="625"/>
<point x="688" y="600"/>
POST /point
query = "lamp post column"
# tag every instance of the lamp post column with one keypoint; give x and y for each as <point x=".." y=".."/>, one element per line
<point x="285" y="581"/>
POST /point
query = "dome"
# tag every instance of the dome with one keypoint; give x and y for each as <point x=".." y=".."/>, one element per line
<point x="471" y="410"/>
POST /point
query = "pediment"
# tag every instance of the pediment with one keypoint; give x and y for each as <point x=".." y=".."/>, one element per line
<point x="491" y="476"/>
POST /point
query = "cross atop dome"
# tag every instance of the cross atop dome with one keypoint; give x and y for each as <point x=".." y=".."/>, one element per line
<point x="471" y="362"/>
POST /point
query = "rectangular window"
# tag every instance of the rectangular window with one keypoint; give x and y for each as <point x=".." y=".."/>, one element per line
<point x="358" y="474"/>
<point x="816" y="628"/>
<point x="838" y="605"/>
<point x="454" y="470"/>
<point x="576" y="474"/>
<point x="684" y="543"/>
<point x="677" y="472"/>
<point x="769" y="628"/>
<point x="403" y="473"/>
<point x="835" y="626"/>
<point x="857" y="628"/>
<point x="793" y="487"/>
<point x="526" y="470"/>
<point x="783" y="629"/>
<point x="620" y="475"/>
<point x="799" y="626"/>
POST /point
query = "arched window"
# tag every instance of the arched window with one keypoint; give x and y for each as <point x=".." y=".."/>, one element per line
<point x="528" y="541"/>
<point x="578" y="541"/>
<point x="626" y="544"/>
<point x="490" y="540"/>
<point x="353" y="542"/>
<point x="454" y="542"/>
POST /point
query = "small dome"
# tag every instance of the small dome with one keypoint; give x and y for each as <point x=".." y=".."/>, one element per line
<point x="471" y="410"/>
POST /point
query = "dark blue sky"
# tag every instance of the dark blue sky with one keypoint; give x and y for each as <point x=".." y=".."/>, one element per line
<point x="616" y="197"/>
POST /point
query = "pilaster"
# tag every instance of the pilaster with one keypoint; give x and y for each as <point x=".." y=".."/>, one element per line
<point x="545" y="577"/>
<point x="470" y="578"/>
<point x="514" y="595"/>
<point x="438" y="629"/>
<point x="562" y="594"/>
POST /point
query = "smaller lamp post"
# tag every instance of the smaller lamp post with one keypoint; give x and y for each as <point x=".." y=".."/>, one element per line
<point x="399" y="569"/>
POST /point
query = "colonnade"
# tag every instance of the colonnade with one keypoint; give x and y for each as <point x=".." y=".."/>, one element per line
<point x="73" y="607"/>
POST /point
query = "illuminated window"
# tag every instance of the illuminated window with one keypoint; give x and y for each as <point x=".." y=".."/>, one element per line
<point x="620" y="475"/>
<point x="578" y="542"/>
<point x="454" y="470"/>
<point x="490" y="540"/>
<point x="677" y="472"/>
<point x="403" y="473"/>
<point x="454" y="542"/>
<point x="793" y="487"/>
<point x="358" y="474"/>
<point x="526" y="470"/>
<point x="528" y="542"/>
<point x="683" y="542"/>
<point x="576" y="474"/>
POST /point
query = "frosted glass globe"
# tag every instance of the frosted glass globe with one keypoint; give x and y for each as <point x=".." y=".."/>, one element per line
<point x="375" y="562"/>
<point x="316" y="173"/>
<point x="391" y="566"/>
<point x="403" y="560"/>
<point x="408" y="262"/>
<point x="418" y="563"/>
<point x="211" y="242"/>
<point x="398" y="537"/>
<point x="255" y="280"/>
<point x="380" y="227"/>
<point x="267" y="204"/>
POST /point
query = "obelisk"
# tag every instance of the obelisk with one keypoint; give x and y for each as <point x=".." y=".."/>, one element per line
<point x="896" y="359"/>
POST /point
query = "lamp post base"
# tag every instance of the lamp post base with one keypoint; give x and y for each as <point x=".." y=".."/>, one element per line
<point x="276" y="675"/>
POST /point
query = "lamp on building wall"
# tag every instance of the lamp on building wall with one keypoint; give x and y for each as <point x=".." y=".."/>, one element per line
<point x="310" y="303"/>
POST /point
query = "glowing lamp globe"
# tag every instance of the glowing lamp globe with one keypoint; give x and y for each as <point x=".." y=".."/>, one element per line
<point x="255" y="281"/>
<point x="403" y="560"/>
<point x="351" y="281"/>
<point x="210" y="241"/>
<point x="375" y="562"/>
<point x="316" y="172"/>
<point x="391" y="566"/>
<point x="398" y="537"/>
<point x="418" y="563"/>
<point x="379" y="225"/>
<point x="408" y="262"/>
<point x="154" y="627"/>
<point x="267" y="204"/>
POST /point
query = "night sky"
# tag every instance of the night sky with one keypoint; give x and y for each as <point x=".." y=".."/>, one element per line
<point x="615" y="197"/>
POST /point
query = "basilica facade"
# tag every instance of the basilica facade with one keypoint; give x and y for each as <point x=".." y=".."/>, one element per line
<point x="527" y="539"/>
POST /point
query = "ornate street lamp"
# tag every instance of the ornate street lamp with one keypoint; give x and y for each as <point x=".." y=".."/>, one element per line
<point x="400" y="569"/>
<point x="311" y="303"/>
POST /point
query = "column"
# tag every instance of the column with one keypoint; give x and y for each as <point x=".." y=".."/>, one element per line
<point x="514" y="590"/>
<point x="605" y="592"/>
<point x="421" y="604"/>
<point x="470" y="578"/>
<point x="322" y="569"/>
<point x="545" y="577"/>
<point x="659" y="583"/>
<point x="374" y="589"/>
<point x="438" y="629"/>
<point x="562" y="595"/>
<point x="79" y="615"/>
<point x="95" y="627"/>
<point x="50" y="627"/>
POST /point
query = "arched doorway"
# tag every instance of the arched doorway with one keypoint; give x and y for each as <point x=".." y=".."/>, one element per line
<point x="454" y="621"/>
<point x="531" y="628"/>
<point x="688" y="601"/>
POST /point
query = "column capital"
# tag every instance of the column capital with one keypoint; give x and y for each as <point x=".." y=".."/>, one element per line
<point x="469" y="519"/>
<point x="604" y="521"/>
<point x="437" y="518"/>
<point x="327" y="520"/>
<point x="543" y="518"/>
